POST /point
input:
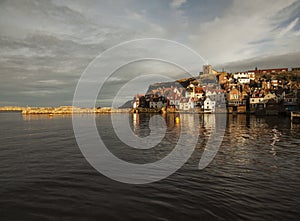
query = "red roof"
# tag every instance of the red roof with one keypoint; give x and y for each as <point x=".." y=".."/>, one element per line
<point x="269" y="70"/>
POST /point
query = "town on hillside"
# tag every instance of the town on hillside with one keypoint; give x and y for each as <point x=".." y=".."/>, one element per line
<point x="262" y="92"/>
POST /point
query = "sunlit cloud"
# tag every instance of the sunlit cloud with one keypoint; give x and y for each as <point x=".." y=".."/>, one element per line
<point x="177" y="3"/>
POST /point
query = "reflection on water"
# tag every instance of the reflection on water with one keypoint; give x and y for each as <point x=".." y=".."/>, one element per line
<point x="275" y="139"/>
<point x="29" y="117"/>
<point x="140" y="122"/>
<point x="254" y="176"/>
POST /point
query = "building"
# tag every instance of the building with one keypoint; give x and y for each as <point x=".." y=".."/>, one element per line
<point x="223" y="78"/>
<point x="209" y="106"/>
<point x="207" y="69"/>
<point x="174" y="100"/>
<point x="267" y="105"/>
<point x="251" y="75"/>
<point x="140" y="101"/>
<point x="220" y="98"/>
<point x="291" y="101"/>
<point x="211" y="94"/>
<point x="157" y="102"/>
<point x="236" y="101"/>
<point x="242" y="77"/>
<point x="274" y="82"/>
<point x="272" y="105"/>
<point x="270" y="96"/>
<point x="270" y="71"/>
<point x="199" y="93"/>
<point x="186" y="104"/>
<point x="234" y="97"/>
<point x="296" y="69"/>
<point x="190" y="91"/>
<point x="136" y="102"/>
<point x="256" y="103"/>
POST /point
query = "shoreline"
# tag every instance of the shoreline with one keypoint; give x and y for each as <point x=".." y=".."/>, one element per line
<point x="69" y="110"/>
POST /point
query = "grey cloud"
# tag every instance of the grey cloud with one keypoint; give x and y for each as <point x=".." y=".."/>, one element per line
<point x="276" y="61"/>
<point x="46" y="45"/>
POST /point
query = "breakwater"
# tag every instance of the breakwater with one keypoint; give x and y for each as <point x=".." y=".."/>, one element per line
<point x="63" y="110"/>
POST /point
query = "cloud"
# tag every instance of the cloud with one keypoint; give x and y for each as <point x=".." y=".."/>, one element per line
<point x="177" y="3"/>
<point x="46" y="45"/>
<point x="38" y="92"/>
<point x="287" y="29"/>
<point x="230" y="35"/>
<point x="261" y="62"/>
<point x="51" y="82"/>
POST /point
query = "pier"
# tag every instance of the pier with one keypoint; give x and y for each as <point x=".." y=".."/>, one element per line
<point x="62" y="110"/>
<point x="295" y="117"/>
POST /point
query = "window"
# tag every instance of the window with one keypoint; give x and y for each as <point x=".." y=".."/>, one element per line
<point x="235" y="96"/>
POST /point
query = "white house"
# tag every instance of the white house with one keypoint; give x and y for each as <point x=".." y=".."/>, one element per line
<point x="256" y="100"/>
<point x="209" y="106"/>
<point x="174" y="101"/>
<point x="135" y="105"/>
<point x="186" y="104"/>
<point x="270" y="96"/>
<point x="136" y="102"/>
<point x="242" y="77"/>
<point x="190" y="91"/>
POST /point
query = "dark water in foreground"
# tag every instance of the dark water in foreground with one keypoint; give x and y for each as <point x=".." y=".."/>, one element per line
<point x="254" y="176"/>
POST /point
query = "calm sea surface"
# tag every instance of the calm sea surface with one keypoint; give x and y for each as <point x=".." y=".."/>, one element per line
<point x="255" y="175"/>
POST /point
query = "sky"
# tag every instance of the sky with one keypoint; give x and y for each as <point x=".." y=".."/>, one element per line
<point x="45" y="46"/>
